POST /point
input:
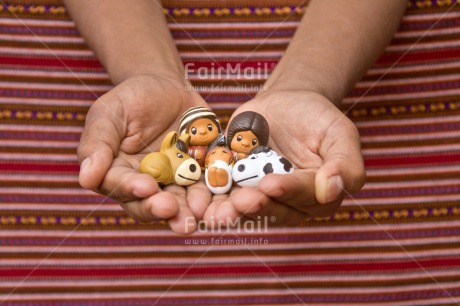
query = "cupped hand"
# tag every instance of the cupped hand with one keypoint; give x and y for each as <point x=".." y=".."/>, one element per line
<point x="321" y="142"/>
<point x="121" y="128"/>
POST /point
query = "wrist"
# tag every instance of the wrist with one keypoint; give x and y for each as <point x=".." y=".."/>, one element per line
<point x="303" y="77"/>
<point x="146" y="65"/>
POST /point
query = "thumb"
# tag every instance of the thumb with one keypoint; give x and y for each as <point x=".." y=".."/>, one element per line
<point x="343" y="169"/>
<point x="99" y="143"/>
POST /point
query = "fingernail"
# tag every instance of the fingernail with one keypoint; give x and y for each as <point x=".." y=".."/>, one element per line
<point x="85" y="165"/>
<point x="138" y="194"/>
<point x="144" y="186"/>
<point x="334" y="188"/>
<point x="140" y="191"/>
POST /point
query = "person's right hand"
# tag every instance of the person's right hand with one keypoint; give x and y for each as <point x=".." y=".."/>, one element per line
<point x="122" y="127"/>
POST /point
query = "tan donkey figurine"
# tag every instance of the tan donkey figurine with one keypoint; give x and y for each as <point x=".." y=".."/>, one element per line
<point x="172" y="164"/>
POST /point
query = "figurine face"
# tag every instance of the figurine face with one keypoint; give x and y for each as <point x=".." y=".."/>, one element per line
<point x="219" y="153"/>
<point x="203" y="131"/>
<point x="246" y="131"/>
<point x="186" y="170"/>
<point x="172" y="164"/>
<point x="244" y="142"/>
<point x="249" y="171"/>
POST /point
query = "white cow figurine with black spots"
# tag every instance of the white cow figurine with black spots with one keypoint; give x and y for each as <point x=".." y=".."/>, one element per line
<point x="262" y="160"/>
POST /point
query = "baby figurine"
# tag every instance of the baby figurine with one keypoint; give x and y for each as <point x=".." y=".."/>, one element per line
<point x="218" y="163"/>
<point x="262" y="161"/>
<point x="203" y="127"/>
<point x="245" y="132"/>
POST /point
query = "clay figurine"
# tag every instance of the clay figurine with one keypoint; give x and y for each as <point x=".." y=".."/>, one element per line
<point x="172" y="164"/>
<point x="245" y="132"/>
<point x="203" y="127"/>
<point x="218" y="163"/>
<point x="263" y="160"/>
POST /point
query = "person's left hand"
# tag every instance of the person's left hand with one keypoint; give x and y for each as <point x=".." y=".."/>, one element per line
<point x="321" y="142"/>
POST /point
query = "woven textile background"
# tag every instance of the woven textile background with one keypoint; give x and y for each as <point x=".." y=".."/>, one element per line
<point x="396" y="242"/>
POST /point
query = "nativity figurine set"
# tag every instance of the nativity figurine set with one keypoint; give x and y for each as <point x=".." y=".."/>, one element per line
<point x="242" y="157"/>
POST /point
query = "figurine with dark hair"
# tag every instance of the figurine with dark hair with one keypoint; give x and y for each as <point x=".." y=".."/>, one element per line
<point x="203" y="127"/>
<point x="218" y="163"/>
<point x="245" y="132"/>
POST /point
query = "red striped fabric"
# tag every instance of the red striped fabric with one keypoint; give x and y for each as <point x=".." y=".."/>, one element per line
<point x="396" y="242"/>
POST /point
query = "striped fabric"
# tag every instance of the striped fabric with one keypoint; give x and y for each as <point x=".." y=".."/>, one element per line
<point x="396" y="242"/>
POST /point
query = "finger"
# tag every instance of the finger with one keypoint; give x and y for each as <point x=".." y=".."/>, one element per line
<point x="198" y="199"/>
<point x="124" y="183"/>
<point x="99" y="143"/>
<point x="296" y="190"/>
<point x="184" y="222"/>
<point x="221" y="211"/>
<point x="255" y="204"/>
<point x="209" y="214"/>
<point x="241" y="201"/>
<point x="161" y="206"/>
<point x="225" y="214"/>
<point x="343" y="167"/>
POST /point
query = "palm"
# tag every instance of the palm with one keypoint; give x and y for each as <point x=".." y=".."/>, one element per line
<point x="303" y="127"/>
<point x="150" y="107"/>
